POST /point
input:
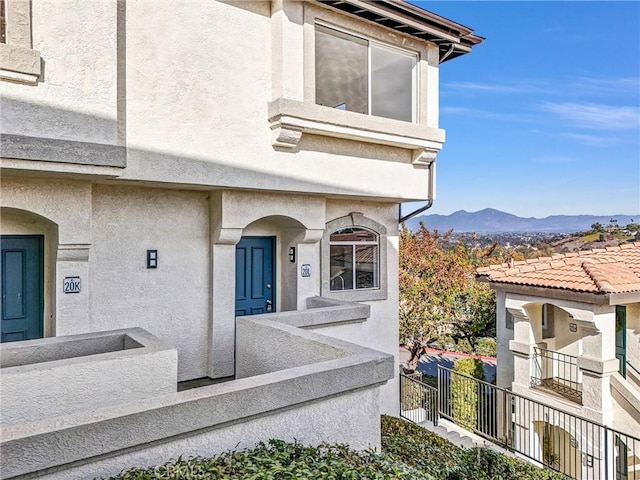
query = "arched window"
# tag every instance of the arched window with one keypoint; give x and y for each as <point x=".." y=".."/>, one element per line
<point x="354" y="259"/>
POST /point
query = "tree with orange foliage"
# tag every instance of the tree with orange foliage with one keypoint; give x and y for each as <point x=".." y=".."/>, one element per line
<point x="439" y="295"/>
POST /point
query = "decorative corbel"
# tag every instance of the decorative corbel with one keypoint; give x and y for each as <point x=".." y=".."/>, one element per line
<point x="285" y="136"/>
<point x="424" y="158"/>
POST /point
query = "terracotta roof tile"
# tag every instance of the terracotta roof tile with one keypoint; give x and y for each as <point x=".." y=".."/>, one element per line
<point x="610" y="270"/>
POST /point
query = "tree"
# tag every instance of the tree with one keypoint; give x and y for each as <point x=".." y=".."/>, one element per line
<point x="597" y="227"/>
<point x="439" y="295"/>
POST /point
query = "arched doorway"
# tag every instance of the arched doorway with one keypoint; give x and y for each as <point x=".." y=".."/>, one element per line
<point x="27" y="264"/>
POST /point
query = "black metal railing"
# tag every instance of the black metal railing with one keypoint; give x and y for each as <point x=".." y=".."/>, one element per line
<point x="575" y="446"/>
<point x="557" y="372"/>
<point x="418" y="401"/>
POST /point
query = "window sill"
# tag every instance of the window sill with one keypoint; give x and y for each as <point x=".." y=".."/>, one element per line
<point x="19" y="63"/>
<point x="289" y="119"/>
<point x="361" y="295"/>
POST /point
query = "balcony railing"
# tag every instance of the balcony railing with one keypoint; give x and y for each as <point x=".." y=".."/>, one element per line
<point x="562" y="441"/>
<point x="556" y="372"/>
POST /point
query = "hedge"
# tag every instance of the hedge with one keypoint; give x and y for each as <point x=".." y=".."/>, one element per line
<point x="464" y="391"/>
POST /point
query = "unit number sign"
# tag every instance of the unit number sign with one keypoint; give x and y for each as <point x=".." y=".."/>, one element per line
<point x="71" y="285"/>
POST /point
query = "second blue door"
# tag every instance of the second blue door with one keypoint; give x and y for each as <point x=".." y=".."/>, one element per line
<point x="255" y="276"/>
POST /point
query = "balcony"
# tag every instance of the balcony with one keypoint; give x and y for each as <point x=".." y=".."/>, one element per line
<point x="557" y="373"/>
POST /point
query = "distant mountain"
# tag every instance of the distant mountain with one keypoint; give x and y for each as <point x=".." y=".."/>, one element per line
<point x="490" y="220"/>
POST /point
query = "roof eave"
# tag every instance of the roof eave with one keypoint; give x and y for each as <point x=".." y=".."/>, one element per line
<point x="553" y="293"/>
<point x="624" y="298"/>
<point x="409" y="19"/>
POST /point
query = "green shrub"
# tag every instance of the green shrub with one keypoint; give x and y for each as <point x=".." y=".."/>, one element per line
<point x="464" y="346"/>
<point x="279" y="460"/>
<point x="417" y="447"/>
<point x="412" y="393"/>
<point x="464" y="391"/>
<point x="486" y="346"/>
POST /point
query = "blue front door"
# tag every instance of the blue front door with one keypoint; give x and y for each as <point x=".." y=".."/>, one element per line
<point x="21" y="263"/>
<point x="255" y="276"/>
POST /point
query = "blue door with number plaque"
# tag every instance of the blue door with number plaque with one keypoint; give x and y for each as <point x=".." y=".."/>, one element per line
<point x="21" y="263"/>
<point x="255" y="276"/>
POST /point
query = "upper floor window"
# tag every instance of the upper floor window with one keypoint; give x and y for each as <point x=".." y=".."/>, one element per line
<point x="354" y="259"/>
<point x="19" y="62"/>
<point x="364" y="76"/>
<point x="3" y="23"/>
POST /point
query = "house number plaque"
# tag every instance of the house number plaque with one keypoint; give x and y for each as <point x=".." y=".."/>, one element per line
<point x="71" y="285"/>
<point x="305" y="270"/>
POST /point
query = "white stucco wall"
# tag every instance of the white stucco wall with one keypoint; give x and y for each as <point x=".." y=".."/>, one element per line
<point x="380" y="330"/>
<point x="171" y="301"/>
<point x="53" y="377"/>
<point x="350" y="419"/>
<point x="76" y="98"/>
<point x="192" y="106"/>
<point x="231" y="100"/>
<point x="504" y="356"/>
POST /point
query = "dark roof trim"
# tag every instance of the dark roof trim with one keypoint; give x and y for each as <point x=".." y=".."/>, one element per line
<point x="453" y="38"/>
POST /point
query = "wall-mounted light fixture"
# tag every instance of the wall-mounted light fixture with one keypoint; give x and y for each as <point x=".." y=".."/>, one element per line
<point x="292" y="254"/>
<point x="152" y="258"/>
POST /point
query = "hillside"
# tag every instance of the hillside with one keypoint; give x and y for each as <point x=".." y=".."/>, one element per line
<point x="490" y="220"/>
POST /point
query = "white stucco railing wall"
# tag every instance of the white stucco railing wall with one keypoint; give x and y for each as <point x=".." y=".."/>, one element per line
<point x="56" y="376"/>
<point x="295" y="385"/>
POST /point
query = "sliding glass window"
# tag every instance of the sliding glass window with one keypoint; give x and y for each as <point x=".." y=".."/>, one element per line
<point x="363" y="76"/>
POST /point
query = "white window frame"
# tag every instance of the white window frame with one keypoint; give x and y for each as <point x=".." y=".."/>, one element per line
<point x="385" y="46"/>
<point x="354" y="220"/>
<point x="353" y="245"/>
<point x="19" y="62"/>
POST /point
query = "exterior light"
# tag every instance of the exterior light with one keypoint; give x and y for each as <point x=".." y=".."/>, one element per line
<point x="152" y="258"/>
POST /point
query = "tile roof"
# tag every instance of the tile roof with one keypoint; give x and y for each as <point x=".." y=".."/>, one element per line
<point x="602" y="270"/>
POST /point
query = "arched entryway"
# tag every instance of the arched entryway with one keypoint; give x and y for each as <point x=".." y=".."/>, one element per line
<point x="27" y="263"/>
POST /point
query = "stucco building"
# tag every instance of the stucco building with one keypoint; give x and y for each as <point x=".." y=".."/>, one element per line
<point x="189" y="188"/>
<point x="569" y="338"/>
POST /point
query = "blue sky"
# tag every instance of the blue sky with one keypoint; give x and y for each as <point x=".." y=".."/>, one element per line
<point x="542" y="118"/>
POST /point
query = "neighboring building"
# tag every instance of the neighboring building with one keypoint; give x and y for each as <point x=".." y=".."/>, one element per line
<point x="569" y="338"/>
<point x="169" y="168"/>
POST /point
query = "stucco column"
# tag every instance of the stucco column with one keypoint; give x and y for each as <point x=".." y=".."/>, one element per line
<point x="308" y="267"/>
<point x="73" y="312"/>
<point x="522" y="348"/>
<point x="287" y="47"/>
<point x="221" y="362"/>
<point x="597" y="364"/>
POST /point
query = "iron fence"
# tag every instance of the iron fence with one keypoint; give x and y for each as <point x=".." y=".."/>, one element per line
<point x="575" y="446"/>
<point x="418" y="401"/>
<point x="557" y="372"/>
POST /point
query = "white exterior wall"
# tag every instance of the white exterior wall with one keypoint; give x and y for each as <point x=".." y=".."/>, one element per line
<point x="77" y="97"/>
<point x="171" y="301"/>
<point x="350" y="419"/>
<point x="504" y="356"/>
<point x="185" y="88"/>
